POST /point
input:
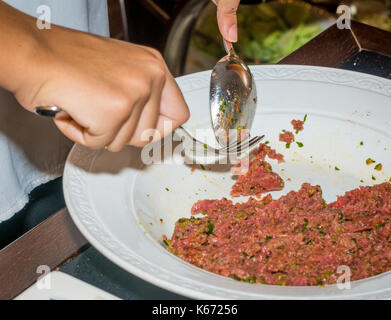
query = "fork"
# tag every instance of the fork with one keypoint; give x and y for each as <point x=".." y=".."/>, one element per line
<point x="232" y="150"/>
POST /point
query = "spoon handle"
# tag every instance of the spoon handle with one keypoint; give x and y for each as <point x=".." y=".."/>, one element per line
<point x="229" y="48"/>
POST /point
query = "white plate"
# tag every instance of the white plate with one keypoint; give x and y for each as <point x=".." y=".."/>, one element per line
<point x="118" y="206"/>
<point x="58" y="285"/>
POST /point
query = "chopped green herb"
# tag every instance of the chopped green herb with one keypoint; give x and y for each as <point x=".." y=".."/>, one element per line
<point x="224" y="105"/>
<point x="370" y="161"/>
<point x="304" y="227"/>
<point x="300" y="144"/>
<point x="167" y="189"/>
<point x="245" y="253"/>
<point x="210" y="227"/>
<point x="267" y="142"/>
<point x="305" y="118"/>
<point x="281" y="247"/>
<point x="373" y="178"/>
<point x="320" y="283"/>
<point x="288" y="145"/>
<point x="166" y="243"/>
<point x="361" y="143"/>
<point x="380" y="225"/>
<point x="202" y="166"/>
<point x="336" y="168"/>
<point x="378" y="167"/>
<point x="309" y="241"/>
<point x="205" y="146"/>
<point x="250" y="279"/>
<point x="183" y="222"/>
<point x="241" y="215"/>
<point x="362" y="181"/>
<point x="268" y="237"/>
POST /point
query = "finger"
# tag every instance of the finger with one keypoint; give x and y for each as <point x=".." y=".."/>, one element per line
<point x="165" y="126"/>
<point x="148" y="119"/>
<point x="144" y="118"/>
<point x="226" y="18"/>
<point x="127" y="130"/>
<point x="73" y="131"/>
<point x="173" y="105"/>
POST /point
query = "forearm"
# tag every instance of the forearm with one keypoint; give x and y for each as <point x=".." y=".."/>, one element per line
<point x="19" y="47"/>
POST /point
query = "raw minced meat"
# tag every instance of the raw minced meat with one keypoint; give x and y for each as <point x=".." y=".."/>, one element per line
<point x="260" y="177"/>
<point x="295" y="240"/>
<point x="298" y="125"/>
<point x="287" y="137"/>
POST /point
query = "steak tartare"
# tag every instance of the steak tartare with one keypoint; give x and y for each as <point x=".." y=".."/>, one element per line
<point x="298" y="125"/>
<point x="259" y="178"/>
<point x="287" y="137"/>
<point x="298" y="239"/>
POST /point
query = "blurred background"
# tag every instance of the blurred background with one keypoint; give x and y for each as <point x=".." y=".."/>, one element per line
<point x="186" y="31"/>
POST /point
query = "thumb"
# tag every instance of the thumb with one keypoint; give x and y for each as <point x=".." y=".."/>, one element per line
<point x="226" y="18"/>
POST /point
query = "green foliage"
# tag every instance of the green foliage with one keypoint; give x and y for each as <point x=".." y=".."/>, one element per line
<point x="266" y="35"/>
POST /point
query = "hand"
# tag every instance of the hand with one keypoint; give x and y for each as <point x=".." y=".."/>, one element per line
<point x="226" y="18"/>
<point x="112" y="90"/>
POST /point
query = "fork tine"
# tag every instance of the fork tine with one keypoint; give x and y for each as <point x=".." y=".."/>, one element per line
<point x="249" y="144"/>
<point x="241" y="146"/>
<point x="235" y="144"/>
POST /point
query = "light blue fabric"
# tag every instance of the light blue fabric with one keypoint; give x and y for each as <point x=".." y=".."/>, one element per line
<point x="32" y="150"/>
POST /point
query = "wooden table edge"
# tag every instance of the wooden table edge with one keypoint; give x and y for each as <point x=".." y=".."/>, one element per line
<point x="43" y="248"/>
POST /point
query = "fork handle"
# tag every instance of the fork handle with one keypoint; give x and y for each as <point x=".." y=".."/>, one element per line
<point x="51" y="112"/>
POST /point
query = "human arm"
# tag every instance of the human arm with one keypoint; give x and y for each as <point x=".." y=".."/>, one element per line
<point x="112" y="90"/>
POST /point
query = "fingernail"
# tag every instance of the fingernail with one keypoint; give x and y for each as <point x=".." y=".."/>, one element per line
<point x="233" y="33"/>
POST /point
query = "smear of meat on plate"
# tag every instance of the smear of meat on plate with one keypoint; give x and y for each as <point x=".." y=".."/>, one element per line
<point x="259" y="178"/>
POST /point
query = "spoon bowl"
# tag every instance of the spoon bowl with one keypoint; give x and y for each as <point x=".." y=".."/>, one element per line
<point x="232" y="98"/>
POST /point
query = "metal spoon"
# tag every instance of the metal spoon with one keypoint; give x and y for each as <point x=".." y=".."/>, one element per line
<point x="233" y="97"/>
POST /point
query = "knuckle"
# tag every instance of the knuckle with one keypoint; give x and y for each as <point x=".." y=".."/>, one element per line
<point x="142" y="89"/>
<point x="155" y="53"/>
<point x="122" y="104"/>
<point x="158" y="70"/>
